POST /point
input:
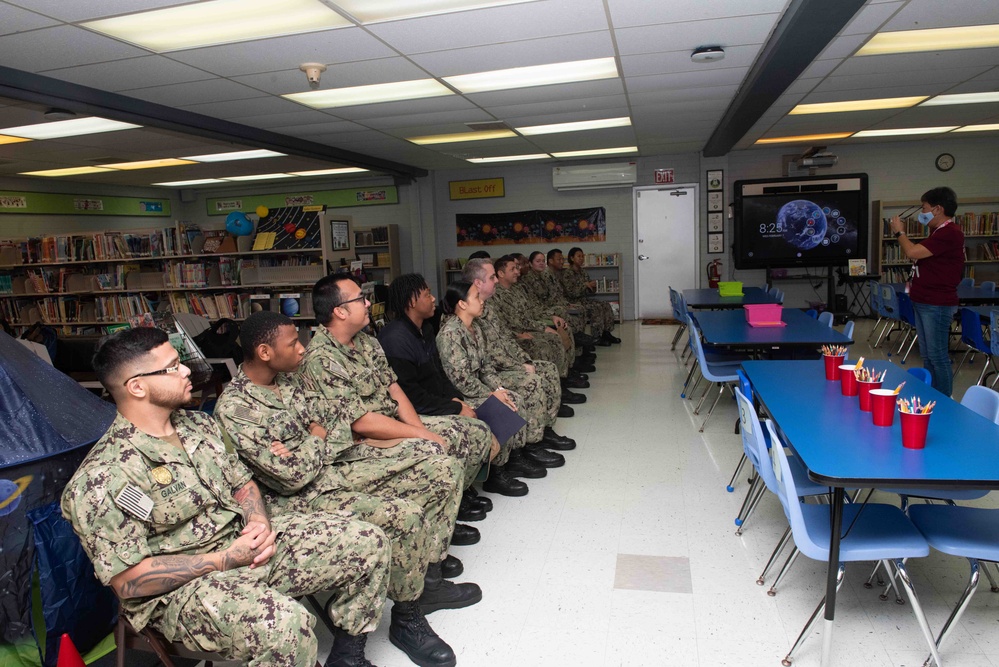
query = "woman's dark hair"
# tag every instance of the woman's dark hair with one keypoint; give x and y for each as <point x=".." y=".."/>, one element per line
<point x="456" y="291"/>
<point x="403" y="291"/>
<point x="533" y="255"/>
<point x="119" y="352"/>
<point x="573" y="251"/>
<point x="943" y="197"/>
<point x="261" y="329"/>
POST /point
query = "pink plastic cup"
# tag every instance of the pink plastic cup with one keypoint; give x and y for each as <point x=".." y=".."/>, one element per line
<point x="832" y="366"/>
<point x="848" y="380"/>
<point x="883" y="406"/>
<point x="914" y="427"/>
<point x="865" y="393"/>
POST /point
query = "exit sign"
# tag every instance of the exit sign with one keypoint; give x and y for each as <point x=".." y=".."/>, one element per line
<point x="664" y="176"/>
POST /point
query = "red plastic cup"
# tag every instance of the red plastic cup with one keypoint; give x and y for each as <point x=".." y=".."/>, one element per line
<point x="865" y="393"/>
<point x="914" y="428"/>
<point x="848" y="379"/>
<point x="832" y="366"/>
<point x="883" y="406"/>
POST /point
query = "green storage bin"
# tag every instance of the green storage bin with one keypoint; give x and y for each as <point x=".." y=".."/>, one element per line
<point x="729" y="289"/>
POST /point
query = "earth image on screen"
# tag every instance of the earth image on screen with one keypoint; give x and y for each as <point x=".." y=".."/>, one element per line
<point x="803" y="222"/>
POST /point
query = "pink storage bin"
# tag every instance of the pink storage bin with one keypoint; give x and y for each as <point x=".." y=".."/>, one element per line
<point x="764" y="314"/>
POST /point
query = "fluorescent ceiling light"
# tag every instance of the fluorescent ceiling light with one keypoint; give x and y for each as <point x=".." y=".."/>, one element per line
<point x="803" y="137"/>
<point x="986" y="127"/>
<point x="196" y="181"/>
<point x="578" y="126"/>
<point x="4" y="139"/>
<point x="537" y="75"/>
<point x="237" y="155"/>
<point x="367" y="11"/>
<point x="147" y="164"/>
<point x="372" y="94"/>
<point x="461" y="136"/>
<point x="857" y="105"/>
<point x="69" y="171"/>
<point x="598" y="151"/>
<point x="509" y="158"/>
<point x="932" y="39"/>
<point x="903" y="131"/>
<point x="328" y="172"/>
<point x="67" y="128"/>
<point x="257" y="177"/>
<point x="965" y="98"/>
<point x="218" y="22"/>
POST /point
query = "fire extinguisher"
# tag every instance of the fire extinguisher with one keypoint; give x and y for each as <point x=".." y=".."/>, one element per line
<point x="714" y="272"/>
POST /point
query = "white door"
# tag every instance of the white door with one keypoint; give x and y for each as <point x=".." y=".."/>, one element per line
<point x="666" y="248"/>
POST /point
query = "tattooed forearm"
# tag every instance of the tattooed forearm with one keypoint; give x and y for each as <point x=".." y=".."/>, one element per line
<point x="162" y="574"/>
<point x="251" y="502"/>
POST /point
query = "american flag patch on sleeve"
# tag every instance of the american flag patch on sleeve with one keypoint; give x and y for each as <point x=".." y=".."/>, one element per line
<point x="131" y="499"/>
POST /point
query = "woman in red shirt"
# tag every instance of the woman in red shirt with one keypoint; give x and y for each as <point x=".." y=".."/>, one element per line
<point x="938" y="265"/>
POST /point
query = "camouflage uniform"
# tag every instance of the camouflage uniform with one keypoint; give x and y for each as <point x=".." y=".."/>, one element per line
<point x="357" y="379"/>
<point x="245" y="614"/>
<point x="511" y="310"/>
<point x="470" y="369"/>
<point x="310" y="479"/>
<point x="545" y="290"/>
<point x="598" y="313"/>
<point x="503" y="351"/>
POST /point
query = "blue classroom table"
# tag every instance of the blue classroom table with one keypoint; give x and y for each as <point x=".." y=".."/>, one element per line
<point x="708" y="298"/>
<point x="730" y="329"/>
<point x="842" y="448"/>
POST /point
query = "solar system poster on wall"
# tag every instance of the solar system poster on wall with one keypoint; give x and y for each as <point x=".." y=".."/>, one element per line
<point x="538" y="226"/>
<point x="292" y="227"/>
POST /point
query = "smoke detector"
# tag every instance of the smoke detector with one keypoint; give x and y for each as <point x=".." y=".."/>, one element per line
<point x="707" y="54"/>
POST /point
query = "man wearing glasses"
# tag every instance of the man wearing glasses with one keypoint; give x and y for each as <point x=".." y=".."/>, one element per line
<point x="350" y="368"/>
<point x="173" y="522"/>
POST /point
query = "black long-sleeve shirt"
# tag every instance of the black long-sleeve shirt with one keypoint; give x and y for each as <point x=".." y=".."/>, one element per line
<point x="412" y="354"/>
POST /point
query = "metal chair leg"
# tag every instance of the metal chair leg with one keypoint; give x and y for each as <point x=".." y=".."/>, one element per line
<point x="902" y="342"/>
<point x="754" y="485"/>
<point x="704" y="396"/>
<point x="811" y="621"/>
<point x="917" y="609"/>
<point x="773" y="557"/>
<point x="915" y="339"/>
<point x="791" y="558"/>
<point x="721" y="390"/>
<point x="876" y="325"/>
<point x="988" y="575"/>
<point x="741" y="521"/>
<point x="955" y="615"/>
<point x="686" y="382"/>
<point x="731" y="483"/>
<point x="679" y="332"/>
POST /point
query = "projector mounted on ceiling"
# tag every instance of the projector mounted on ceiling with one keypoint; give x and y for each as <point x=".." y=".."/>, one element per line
<point x="817" y="161"/>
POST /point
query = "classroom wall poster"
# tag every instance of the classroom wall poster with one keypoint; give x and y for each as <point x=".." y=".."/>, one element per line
<point x="538" y="226"/>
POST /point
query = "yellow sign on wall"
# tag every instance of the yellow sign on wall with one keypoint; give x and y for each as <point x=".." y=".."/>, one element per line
<point x="480" y="189"/>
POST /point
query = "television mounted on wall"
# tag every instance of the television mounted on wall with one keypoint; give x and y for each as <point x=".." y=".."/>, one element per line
<point x="800" y="221"/>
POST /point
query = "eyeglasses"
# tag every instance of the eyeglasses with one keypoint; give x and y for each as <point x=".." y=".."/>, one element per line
<point x="163" y="371"/>
<point x="344" y="303"/>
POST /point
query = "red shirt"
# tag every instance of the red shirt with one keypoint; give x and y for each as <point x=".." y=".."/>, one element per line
<point x="935" y="278"/>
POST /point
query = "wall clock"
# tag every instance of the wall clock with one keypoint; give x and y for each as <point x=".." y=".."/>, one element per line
<point x="945" y="162"/>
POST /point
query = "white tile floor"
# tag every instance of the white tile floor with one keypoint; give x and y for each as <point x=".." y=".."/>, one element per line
<point x="644" y="482"/>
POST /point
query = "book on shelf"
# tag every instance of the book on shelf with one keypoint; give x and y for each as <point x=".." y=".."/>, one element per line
<point x="290" y="305"/>
<point x="213" y="240"/>
<point x="857" y="267"/>
<point x="259" y="302"/>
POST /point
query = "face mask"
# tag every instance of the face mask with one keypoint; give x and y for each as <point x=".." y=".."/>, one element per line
<point x="924" y="218"/>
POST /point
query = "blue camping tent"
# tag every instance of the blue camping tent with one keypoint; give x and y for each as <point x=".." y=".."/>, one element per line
<point x="47" y="422"/>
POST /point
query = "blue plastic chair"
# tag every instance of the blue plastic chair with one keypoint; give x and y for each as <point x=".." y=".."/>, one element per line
<point x="776" y="294"/>
<point x="890" y="310"/>
<point x="966" y="282"/>
<point x="716" y="356"/>
<point x="971" y="335"/>
<point x="678" y="315"/>
<point x="968" y="532"/>
<point x="826" y="317"/>
<point x="923" y="375"/>
<point x="747" y="390"/>
<point x="907" y="315"/>
<point x="994" y="337"/>
<point x="812" y="313"/>
<point x="720" y="374"/>
<point x="873" y="532"/>
<point x="877" y="306"/>
<point x="988" y="286"/>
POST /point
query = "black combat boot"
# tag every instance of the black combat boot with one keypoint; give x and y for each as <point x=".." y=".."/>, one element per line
<point x="348" y="650"/>
<point x="411" y="633"/>
<point x="439" y="593"/>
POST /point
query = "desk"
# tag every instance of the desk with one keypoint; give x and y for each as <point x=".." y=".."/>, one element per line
<point x="841" y="447"/>
<point x="729" y="328"/>
<point x="708" y="298"/>
<point x="966" y="296"/>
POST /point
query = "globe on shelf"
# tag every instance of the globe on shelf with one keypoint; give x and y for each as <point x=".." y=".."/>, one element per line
<point x="237" y="224"/>
<point x="803" y="222"/>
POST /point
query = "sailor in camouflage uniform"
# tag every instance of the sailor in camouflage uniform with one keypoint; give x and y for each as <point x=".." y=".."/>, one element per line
<point x="175" y="524"/>
<point x="468" y="365"/>
<point x="542" y="286"/>
<point x="278" y="428"/>
<point x="356" y="376"/>
<point x="578" y="287"/>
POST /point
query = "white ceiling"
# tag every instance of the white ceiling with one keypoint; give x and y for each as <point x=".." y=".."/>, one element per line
<point x="675" y="104"/>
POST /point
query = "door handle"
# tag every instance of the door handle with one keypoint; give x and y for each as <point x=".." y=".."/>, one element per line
<point x="643" y="257"/>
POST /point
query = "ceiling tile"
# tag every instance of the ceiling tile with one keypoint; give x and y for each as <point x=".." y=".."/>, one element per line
<point x="843" y="46"/>
<point x="687" y="35"/>
<point x="286" y="53"/>
<point x="922" y="14"/>
<point x="412" y="121"/>
<point x="493" y="25"/>
<point x="564" y="91"/>
<point x="16" y="20"/>
<point x="679" y="61"/>
<point x="129" y="73"/>
<point x="683" y="95"/>
<point x="386" y="109"/>
<point x="858" y="82"/>
<point x="194" y="92"/>
<point x="907" y="62"/>
<point x="268" y="121"/>
<point x="686" y="80"/>
<point x="309" y="130"/>
<point x="62" y="45"/>
<point x="342" y="75"/>
<point x="241" y="108"/>
<point x="609" y="104"/>
<point x="870" y="18"/>
<point x="92" y="9"/>
<point x="571" y="141"/>
<point x="820" y="68"/>
<point x="641" y="12"/>
<point x="561" y="48"/>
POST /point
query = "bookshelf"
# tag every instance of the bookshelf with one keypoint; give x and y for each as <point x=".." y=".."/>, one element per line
<point x="378" y="250"/>
<point x="978" y="218"/>
<point x="605" y="268"/>
<point x="88" y="283"/>
<point x="451" y="271"/>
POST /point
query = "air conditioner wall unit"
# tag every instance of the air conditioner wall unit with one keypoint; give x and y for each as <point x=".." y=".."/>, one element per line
<point x="595" y="176"/>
